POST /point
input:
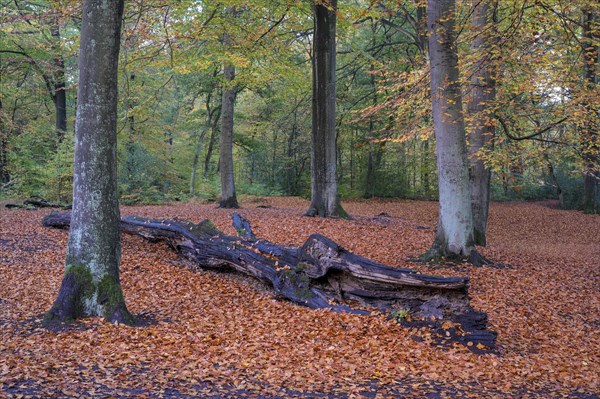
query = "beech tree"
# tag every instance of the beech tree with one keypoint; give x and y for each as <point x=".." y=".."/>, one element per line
<point x="228" y="197"/>
<point x="324" y="189"/>
<point x="59" y="93"/>
<point x="454" y="234"/>
<point x="591" y="142"/>
<point x="91" y="285"/>
<point x="483" y="93"/>
<point x="4" y="175"/>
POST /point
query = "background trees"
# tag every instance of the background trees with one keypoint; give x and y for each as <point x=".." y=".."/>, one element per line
<point x="539" y="136"/>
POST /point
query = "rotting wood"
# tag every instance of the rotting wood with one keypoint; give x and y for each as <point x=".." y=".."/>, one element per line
<point x="35" y="203"/>
<point x="320" y="274"/>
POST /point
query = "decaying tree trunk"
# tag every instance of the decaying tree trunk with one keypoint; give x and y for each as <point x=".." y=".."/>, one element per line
<point x="320" y="274"/>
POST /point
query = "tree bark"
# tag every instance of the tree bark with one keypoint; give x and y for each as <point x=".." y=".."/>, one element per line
<point x="591" y="142"/>
<point x="60" y="90"/>
<point x="483" y="93"/>
<point x="197" y="149"/>
<point x="131" y="140"/>
<point x="324" y="188"/>
<point x="4" y="174"/>
<point x="228" y="197"/>
<point x="454" y="235"/>
<point x="320" y="274"/>
<point x="91" y="286"/>
<point x="214" y="132"/>
<point x="375" y="149"/>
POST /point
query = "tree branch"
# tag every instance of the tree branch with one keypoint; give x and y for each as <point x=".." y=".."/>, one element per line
<point x="529" y="136"/>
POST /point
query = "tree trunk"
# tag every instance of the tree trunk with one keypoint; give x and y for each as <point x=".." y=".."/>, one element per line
<point x="591" y="143"/>
<point x="372" y="165"/>
<point x="374" y="158"/>
<point x="454" y="235"/>
<point x="60" y="103"/>
<point x="370" y="178"/>
<point x="483" y="93"/>
<point x="130" y="142"/>
<point x="320" y="274"/>
<point x="198" y="147"/>
<point x="555" y="182"/>
<point x="421" y="28"/>
<point x="60" y="91"/>
<point x="425" y="168"/>
<point x="214" y="132"/>
<point x="324" y="188"/>
<point x="4" y="175"/>
<point x="228" y="197"/>
<point x="91" y="285"/>
<point x="291" y="155"/>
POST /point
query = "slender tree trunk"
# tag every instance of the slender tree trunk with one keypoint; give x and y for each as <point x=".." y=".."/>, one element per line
<point x="591" y="142"/>
<point x="425" y="171"/>
<point x="483" y="93"/>
<point x="422" y="44"/>
<point x="421" y="28"/>
<point x="454" y="235"/>
<point x="373" y="164"/>
<point x="371" y="168"/>
<point x="214" y="132"/>
<point x="198" y="147"/>
<point x="559" y="191"/>
<point x="403" y="183"/>
<point x="291" y="155"/>
<point x="228" y="197"/>
<point x="274" y="158"/>
<point x="324" y="189"/>
<point x="60" y="103"/>
<point x="4" y="175"/>
<point x="91" y="285"/>
<point x="352" y="143"/>
<point x="130" y="143"/>
<point x="60" y="91"/>
<point x="370" y="178"/>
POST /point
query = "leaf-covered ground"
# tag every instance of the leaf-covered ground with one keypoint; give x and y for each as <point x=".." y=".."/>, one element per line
<point x="210" y="335"/>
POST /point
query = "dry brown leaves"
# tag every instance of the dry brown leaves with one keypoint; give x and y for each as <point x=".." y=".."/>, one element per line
<point x="225" y="330"/>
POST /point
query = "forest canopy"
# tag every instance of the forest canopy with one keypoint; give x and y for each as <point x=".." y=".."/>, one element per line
<point x="543" y="119"/>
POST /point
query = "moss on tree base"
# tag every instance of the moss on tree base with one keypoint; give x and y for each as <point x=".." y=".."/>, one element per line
<point x="80" y="297"/>
<point x="110" y="297"/>
<point x="77" y="287"/>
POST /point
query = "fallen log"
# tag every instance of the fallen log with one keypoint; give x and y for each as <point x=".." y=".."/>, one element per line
<point x="320" y="274"/>
<point x="35" y="203"/>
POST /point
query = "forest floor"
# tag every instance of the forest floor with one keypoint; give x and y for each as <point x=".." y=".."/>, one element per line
<point x="223" y="336"/>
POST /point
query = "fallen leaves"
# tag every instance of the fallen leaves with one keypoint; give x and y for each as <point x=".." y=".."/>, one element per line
<point x="204" y="328"/>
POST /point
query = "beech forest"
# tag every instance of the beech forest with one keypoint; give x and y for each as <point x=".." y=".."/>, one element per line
<point x="299" y="199"/>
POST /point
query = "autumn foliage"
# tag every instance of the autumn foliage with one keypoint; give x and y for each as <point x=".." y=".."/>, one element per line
<point x="212" y="335"/>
